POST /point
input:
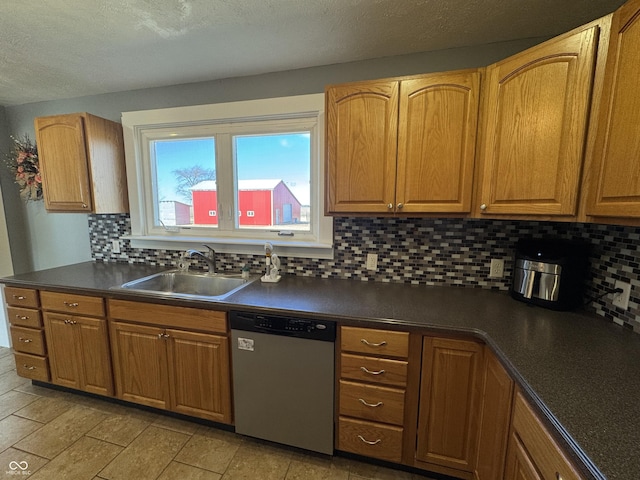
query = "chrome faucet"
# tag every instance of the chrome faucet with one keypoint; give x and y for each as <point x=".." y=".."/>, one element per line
<point x="210" y="258"/>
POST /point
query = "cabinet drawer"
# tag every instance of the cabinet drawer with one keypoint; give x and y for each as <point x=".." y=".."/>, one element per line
<point x="24" y="317"/>
<point x="72" y="303"/>
<point x="31" y="366"/>
<point x="373" y="370"/>
<point x="21" y="297"/>
<point x="372" y="402"/>
<point x="27" y="340"/>
<point x="370" y="439"/>
<point x="375" y="342"/>
<point x="545" y="453"/>
<point x="168" y="316"/>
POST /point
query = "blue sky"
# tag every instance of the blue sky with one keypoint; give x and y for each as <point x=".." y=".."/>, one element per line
<point x="282" y="156"/>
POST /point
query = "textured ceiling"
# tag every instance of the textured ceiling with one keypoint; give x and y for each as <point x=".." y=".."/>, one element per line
<point x="52" y="49"/>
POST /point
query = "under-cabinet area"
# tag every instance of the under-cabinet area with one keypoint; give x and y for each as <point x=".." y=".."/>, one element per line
<point x="436" y="403"/>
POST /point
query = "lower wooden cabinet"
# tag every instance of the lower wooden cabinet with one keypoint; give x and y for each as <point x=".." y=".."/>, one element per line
<point x="172" y="369"/>
<point x="495" y="417"/>
<point x="448" y="405"/>
<point x="533" y="453"/>
<point x="79" y="352"/>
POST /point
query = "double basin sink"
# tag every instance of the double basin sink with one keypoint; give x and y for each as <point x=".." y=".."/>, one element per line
<point x="191" y="285"/>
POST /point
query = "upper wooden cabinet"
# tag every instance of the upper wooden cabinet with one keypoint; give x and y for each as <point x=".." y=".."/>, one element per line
<point x="535" y="114"/>
<point x="614" y="189"/>
<point x="82" y="164"/>
<point x="404" y="145"/>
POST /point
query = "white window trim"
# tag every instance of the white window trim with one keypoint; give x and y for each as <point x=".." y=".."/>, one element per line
<point x="136" y="123"/>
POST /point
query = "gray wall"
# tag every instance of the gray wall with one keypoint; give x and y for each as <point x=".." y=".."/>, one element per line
<point x="59" y="239"/>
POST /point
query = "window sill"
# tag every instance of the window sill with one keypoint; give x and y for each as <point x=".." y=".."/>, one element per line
<point x="234" y="245"/>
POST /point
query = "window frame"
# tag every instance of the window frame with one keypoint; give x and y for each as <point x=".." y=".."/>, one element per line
<point x="275" y="113"/>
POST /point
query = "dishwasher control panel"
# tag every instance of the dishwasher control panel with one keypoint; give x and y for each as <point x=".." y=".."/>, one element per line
<point x="280" y="325"/>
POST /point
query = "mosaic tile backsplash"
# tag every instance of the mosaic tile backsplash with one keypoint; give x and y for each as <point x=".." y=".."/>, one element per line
<point x="425" y="251"/>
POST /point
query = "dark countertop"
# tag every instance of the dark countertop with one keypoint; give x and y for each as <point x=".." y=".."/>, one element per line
<point x="582" y="371"/>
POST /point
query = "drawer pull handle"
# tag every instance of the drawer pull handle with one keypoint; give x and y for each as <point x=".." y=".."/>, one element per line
<point x="22" y="317"/>
<point x="19" y="297"/>
<point x="72" y="305"/>
<point x="368" y="442"/>
<point x="29" y="367"/>
<point x="25" y="340"/>
<point x="381" y="344"/>
<point x="558" y="476"/>
<point x="69" y="322"/>
<point x="163" y="335"/>
<point x="364" y="402"/>
<point x="370" y="372"/>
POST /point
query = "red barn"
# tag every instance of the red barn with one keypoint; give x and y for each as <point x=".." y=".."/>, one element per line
<point x="261" y="203"/>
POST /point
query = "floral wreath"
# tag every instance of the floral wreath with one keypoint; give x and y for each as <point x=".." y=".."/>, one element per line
<point x="23" y="164"/>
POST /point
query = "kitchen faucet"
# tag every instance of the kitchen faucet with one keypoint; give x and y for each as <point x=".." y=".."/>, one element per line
<point x="210" y="258"/>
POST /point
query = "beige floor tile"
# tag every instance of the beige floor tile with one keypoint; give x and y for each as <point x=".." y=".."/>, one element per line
<point x="175" y="424"/>
<point x="60" y="433"/>
<point x="82" y="460"/>
<point x="13" y="401"/>
<point x="251" y="458"/>
<point x="7" y="363"/>
<point x="375" y="472"/>
<point x="46" y="392"/>
<point x="44" y="409"/>
<point x="181" y="471"/>
<point x="210" y="449"/>
<point x="147" y="456"/>
<point x="4" y="351"/>
<point x="25" y="466"/>
<point x="10" y="380"/>
<point x="312" y="468"/>
<point x="119" y="429"/>
<point x="13" y="429"/>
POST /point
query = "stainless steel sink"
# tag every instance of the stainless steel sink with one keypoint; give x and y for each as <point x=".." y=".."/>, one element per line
<point x="176" y="283"/>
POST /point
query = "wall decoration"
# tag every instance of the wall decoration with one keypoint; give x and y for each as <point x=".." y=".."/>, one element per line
<point x="23" y="164"/>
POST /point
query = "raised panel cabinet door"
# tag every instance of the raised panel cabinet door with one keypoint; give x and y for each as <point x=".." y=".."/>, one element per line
<point x="519" y="465"/>
<point x="62" y="350"/>
<point x="95" y="358"/>
<point x="63" y="163"/>
<point x="199" y="372"/>
<point x="140" y="364"/>
<point x="495" y="415"/>
<point x="436" y="142"/>
<point x="361" y="147"/>
<point x="535" y="119"/>
<point x="449" y="394"/>
<point x="615" y="187"/>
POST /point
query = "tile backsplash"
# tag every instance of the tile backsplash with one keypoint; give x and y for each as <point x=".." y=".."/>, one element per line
<point x="425" y="251"/>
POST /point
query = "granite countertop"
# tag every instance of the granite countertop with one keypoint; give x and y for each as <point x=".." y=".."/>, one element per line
<point x="582" y="371"/>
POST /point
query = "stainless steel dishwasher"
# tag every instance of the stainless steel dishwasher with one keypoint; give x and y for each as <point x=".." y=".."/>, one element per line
<point x="283" y="379"/>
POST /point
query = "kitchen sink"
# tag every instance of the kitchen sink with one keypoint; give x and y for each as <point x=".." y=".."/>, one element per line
<point x="177" y="283"/>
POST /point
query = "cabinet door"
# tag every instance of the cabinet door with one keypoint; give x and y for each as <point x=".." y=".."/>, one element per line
<point x="535" y="117"/>
<point x="94" y="357"/>
<point x="62" y="348"/>
<point x="361" y="146"/>
<point x="436" y="142"/>
<point x="519" y="465"/>
<point x="495" y="413"/>
<point x="615" y="186"/>
<point x="200" y="381"/>
<point x="140" y="364"/>
<point x="449" y="394"/>
<point x="63" y="162"/>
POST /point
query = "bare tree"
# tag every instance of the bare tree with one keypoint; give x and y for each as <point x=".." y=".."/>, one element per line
<point x="190" y="176"/>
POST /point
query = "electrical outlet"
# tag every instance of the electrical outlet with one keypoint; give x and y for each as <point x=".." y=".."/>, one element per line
<point x="497" y="268"/>
<point x="621" y="300"/>
<point x="115" y="246"/>
<point x="372" y="261"/>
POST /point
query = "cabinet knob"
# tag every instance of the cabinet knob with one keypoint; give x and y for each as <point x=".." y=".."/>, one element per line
<point x="390" y="206"/>
<point x="483" y="206"/>
<point x="399" y="206"/>
<point x="84" y="205"/>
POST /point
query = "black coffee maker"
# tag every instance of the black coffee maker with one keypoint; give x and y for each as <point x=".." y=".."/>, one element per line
<point x="550" y="272"/>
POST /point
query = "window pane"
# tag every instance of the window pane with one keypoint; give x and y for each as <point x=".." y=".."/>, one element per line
<point x="185" y="176"/>
<point x="274" y="181"/>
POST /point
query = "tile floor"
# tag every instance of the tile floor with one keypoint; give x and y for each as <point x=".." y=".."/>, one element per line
<point x="48" y="435"/>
